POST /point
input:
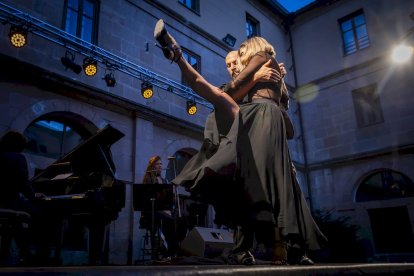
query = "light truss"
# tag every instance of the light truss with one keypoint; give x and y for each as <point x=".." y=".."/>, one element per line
<point x="10" y="15"/>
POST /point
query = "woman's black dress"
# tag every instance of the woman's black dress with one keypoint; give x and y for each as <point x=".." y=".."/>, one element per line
<point x="244" y="168"/>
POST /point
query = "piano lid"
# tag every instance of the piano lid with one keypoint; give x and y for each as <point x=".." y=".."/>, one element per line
<point x="93" y="155"/>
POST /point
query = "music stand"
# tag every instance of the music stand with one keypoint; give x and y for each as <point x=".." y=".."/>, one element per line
<point x="152" y="197"/>
<point x="162" y="195"/>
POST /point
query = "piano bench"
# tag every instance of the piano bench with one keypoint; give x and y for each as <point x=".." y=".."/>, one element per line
<point x="12" y="222"/>
<point x="13" y="217"/>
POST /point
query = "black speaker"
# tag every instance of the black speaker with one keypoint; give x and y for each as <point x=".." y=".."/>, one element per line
<point x="206" y="242"/>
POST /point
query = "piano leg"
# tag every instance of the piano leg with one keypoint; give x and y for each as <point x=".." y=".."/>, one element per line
<point x="46" y="231"/>
<point x="97" y="241"/>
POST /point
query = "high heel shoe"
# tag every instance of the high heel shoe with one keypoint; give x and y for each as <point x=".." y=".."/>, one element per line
<point x="279" y="253"/>
<point x="241" y="258"/>
<point x="168" y="45"/>
<point x="305" y="260"/>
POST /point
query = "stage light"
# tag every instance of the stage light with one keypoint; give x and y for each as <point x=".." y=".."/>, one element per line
<point x="18" y="36"/>
<point x="191" y="107"/>
<point x="90" y="66"/>
<point x="146" y="90"/>
<point x="110" y="79"/>
<point x="69" y="62"/>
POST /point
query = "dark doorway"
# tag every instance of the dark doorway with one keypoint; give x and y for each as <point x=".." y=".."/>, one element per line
<point x="392" y="230"/>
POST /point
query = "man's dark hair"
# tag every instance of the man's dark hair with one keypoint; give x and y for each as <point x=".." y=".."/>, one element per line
<point x="13" y="141"/>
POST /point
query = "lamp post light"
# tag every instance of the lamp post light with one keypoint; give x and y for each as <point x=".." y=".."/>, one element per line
<point x="402" y="53"/>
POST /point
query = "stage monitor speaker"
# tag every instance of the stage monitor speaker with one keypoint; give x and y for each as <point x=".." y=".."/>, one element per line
<point x="206" y="242"/>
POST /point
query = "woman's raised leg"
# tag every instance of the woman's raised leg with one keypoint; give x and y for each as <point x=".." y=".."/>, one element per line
<point x="172" y="51"/>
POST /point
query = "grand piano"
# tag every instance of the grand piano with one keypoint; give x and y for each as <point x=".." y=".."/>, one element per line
<point x="82" y="184"/>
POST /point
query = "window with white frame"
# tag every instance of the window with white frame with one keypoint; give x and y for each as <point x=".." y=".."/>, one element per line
<point x="354" y="32"/>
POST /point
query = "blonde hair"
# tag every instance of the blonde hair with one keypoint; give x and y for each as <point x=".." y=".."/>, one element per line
<point x="252" y="46"/>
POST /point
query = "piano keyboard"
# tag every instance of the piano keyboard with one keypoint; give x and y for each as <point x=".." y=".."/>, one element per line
<point x="71" y="196"/>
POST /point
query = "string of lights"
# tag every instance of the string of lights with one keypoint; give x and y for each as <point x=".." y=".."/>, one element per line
<point x="23" y="23"/>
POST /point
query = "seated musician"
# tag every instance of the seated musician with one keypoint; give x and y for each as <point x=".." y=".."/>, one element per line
<point x="15" y="188"/>
<point x="164" y="220"/>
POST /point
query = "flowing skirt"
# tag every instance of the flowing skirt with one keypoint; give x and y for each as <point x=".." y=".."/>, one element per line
<point x="244" y="170"/>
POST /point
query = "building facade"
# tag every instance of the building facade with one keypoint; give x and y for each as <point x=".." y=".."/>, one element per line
<point x="350" y="104"/>
<point x="355" y="118"/>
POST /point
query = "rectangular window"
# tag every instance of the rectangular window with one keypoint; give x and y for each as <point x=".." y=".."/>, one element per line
<point x="193" y="59"/>
<point x="354" y="32"/>
<point x="81" y="19"/>
<point x="252" y="26"/>
<point x="367" y="106"/>
<point x="193" y="5"/>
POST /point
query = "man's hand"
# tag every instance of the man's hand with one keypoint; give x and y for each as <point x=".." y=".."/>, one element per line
<point x="267" y="74"/>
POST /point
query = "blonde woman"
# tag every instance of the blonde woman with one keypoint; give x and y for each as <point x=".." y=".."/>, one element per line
<point x="245" y="161"/>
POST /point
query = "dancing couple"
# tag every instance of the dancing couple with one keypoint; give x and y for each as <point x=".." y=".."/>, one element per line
<point x="243" y="167"/>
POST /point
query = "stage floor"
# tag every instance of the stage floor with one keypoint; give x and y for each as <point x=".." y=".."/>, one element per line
<point x="168" y="269"/>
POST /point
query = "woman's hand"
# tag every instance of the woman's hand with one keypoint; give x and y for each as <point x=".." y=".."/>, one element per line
<point x="268" y="74"/>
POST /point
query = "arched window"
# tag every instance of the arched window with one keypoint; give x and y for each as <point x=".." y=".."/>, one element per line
<point x="182" y="156"/>
<point x="384" y="184"/>
<point x="51" y="138"/>
<point x="55" y="134"/>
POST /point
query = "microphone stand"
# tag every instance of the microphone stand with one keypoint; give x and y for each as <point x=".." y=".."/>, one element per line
<point x="154" y="243"/>
<point x="177" y="199"/>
